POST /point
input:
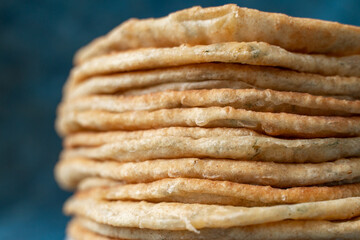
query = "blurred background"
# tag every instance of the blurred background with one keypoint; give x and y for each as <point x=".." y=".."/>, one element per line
<point x="37" y="42"/>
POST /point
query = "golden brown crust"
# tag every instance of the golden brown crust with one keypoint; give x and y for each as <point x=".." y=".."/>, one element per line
<point x="69" y="172"/>
<point x="226" y="24"/>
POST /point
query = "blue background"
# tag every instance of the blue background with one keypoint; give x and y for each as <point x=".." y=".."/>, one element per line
<point x="37" y="42"/>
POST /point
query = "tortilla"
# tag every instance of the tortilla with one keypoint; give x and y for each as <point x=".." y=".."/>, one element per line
<point x="253" y="53"/>
<point x="273" y="124"/>
<point x="191" y="217"/>
<point x="69" y="172"/>
<point x="166" y="193"/>
<point x="182" y="86"/>
<point x="243" y="147"/>
<point x="235" y="74"/>
<point x="249" y="99"/>
<point x="85" y="229"/>
<point x="204" y="191"/>
<point x="226" y="24"/>
<point x="91" y="139"/>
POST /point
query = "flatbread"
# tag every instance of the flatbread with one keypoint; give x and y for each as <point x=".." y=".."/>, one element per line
<point x="225" y="24"/>
<point x="253" y="53"/>
<point x="182" y="86"/>
<point x="85" y="229"/>
<point x="204" y="191"/>
<point x="69" y="172"/>
<point x="273" y="124"/>
<point x="253" y="76"/>
<point x="250" y="99"/>
<point x="244" y="147"/>
<point x="91" y="139"/>
<point x="191" y="217"/>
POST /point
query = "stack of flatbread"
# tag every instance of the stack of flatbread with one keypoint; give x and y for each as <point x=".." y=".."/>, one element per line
<point x="214" y="123"/>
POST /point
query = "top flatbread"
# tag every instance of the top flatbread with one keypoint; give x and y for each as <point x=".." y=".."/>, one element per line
<point x="226" y="24"/>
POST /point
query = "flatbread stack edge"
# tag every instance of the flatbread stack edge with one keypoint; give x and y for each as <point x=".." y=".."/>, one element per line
<point x="214" y="123"/>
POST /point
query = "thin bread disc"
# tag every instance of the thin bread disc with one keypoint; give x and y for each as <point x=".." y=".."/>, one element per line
<point x="253" y="53"/>
<point x="86" y="229"/>
<point x="204" y="191"/>
<point x="93" y="139"/>
<point x="125" y="147"/>
<point x="69" y="172"/>
<point x="225" y="24"/>
<point x="191" y="217"/>
<point x="249" y="99"/>
<point x="226" y="75"/>
<point x="273" y="124"/>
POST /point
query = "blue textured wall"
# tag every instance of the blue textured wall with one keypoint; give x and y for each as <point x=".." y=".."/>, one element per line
<point x="37" y="42"/>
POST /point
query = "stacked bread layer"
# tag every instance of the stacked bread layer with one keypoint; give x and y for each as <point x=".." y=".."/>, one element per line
<point x="233" y="139"/>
